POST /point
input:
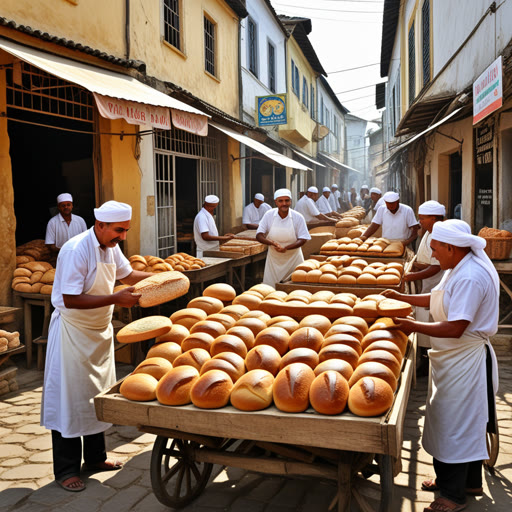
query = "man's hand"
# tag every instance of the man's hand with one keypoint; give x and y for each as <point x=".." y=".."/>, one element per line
<point x="392" y="294"/>
<point x="125" y="298"/>
<point x="405" y="325"/>
<point x="279" y="247"/>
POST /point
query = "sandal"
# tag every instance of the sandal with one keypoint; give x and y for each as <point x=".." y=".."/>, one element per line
<point x="444" y="505"/>
<point x="72" y="484"/>
<point x="430" y="485"/>
<point x="106" y="465"/>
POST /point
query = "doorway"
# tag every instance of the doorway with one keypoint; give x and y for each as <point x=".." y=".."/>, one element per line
<point x="186" y="201"/>
<point x="455" y="204"/>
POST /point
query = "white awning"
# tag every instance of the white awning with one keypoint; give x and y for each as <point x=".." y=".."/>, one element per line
<point x="261" y="148"/>
<point x="95" y="79"/>
<point x="302" y="155"/>
<point x="336" y="162"/>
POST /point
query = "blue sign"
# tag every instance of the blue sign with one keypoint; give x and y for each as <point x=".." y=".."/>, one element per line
<point x="271" y="110"/>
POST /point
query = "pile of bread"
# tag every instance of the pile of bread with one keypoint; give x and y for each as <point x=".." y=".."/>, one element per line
<point x="351" y="217"/>
<point x="494" y="233"/>
<point x="371" y="246"/>
<point x="35" y="250"/>
<point x="179" y="261"/>
<point x="219" y="351"/>
<point x="9" y="340"/>
<point x="348" y="270"/>
<point x="33" y="277"/>
<point x="242" y="246"/>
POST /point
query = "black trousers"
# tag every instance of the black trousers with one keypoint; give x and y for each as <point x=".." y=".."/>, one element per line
<point x="67" y="453"/>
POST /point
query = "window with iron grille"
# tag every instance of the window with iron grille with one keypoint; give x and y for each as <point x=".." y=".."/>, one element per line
<point x="209" y="46"/>
<point x="312" y="103"/>
<point x="393" y="112"/>
<point x="305" y="92"/>
<point x="412" y="66"/>
<point x="295" y="80"/>
<point x="328" y="124"/>
<point x="172" y="23"/>
<point x="425" y="13"/>
<point x="271" y="67"/>
<point x="252" y="46"/>
<point x="335" y="134"/>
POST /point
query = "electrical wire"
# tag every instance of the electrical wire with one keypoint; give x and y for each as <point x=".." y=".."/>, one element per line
<point x="359" y="88"/>
<point x="350" y="69"/>
<point x="289" y="6"/>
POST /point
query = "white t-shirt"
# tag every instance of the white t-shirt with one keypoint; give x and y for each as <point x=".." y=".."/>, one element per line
<point x="323" y="205"/>
<point x="58" y="232"/>
<point x="396" y="226"/>
<point x="204" y="222"/>
<point x="299" y="224"/>
<point x="333" y="202"/>
<point x="307" y="207"/>
<point x="76" y="266"/>
<point x="253" y="215"/>
<point x="470" y="295"/>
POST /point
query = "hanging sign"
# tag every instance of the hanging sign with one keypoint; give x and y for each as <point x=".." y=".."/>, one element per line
<point x="271" y="110"/>
<point x="488" y="91"/>
<point x="193" y="123"/>
<point x="133" y="112"/>
<point x="484" y="192"/>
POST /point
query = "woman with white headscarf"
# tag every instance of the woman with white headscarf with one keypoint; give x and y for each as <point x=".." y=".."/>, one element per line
<point x="464" y="372"/>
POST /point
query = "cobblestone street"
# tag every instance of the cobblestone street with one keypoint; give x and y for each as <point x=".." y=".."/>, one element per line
<point x="26" y="480"/>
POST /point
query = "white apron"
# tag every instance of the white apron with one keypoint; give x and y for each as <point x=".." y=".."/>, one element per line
<point x="280" y="265"/>
<point x="81" y="363"/>
<point x="456" y="411"/>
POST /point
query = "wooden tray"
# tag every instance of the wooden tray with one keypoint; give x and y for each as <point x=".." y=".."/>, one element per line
<point x="359" y="290"/>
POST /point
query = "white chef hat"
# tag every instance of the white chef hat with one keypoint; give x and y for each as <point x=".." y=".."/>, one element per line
<point x="113" y="211"/>
<point x="282" y="192"/>
<point x="375" y="190"/>
<point x="391" y="197"/>
<point x="313" y="189"/>
<point x="211" y="199"/>
<point x="326" y="189"/>
<point x="365" y="186"/>
<point x="64" y="198"/>
<point x="259" y="197"/>
<point x="432" y="208"/>
<point x="458" y="233"/>
<point x="334" y="185"/>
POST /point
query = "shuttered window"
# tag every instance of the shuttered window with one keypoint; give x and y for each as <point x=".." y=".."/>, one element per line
<point x="252" y="45"/>
<point x="271" y="67"/>
<point x="172" y="23"/>
<point x="425" y="13"/>
<point x="209" y="46"/>
<point x="412" y="66"/>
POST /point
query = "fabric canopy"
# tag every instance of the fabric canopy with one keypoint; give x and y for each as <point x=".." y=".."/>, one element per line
<point x="302" y="155"/>
<point x="336" y="162"/>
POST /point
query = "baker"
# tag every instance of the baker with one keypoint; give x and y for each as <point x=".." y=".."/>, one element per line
<point x="398" y="221"/>
<point x="426" y="269"/>
<point x="64" y="225"/>
<point x="285" y="231"/>
<point x="377" y="201"/>
<point x="324" y="205"/>
<point x="334" y="198"/>
<point x="306" y="206"/>
<point x="464" y="372"/>
<point x="206" y="235"/>
<point x="254" y="211"/>
<point x="80" y="352"/>
<point x="364" y="194"/>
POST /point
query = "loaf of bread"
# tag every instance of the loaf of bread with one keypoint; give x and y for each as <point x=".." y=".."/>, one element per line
<point x="195" y="357"/>
<point x="144" y="329"/>
<point x="329" y="392"/>
<point x="341" y="328"/>
<point x="154" y="366"/>
<point x="290" y="326"/>
<point x="221" y="291"/>
<point x="177" y="334"/>
<point x="236" y="311"/>
<point x="263" y="357"/>
<point x="208" y="304"/>
<point x="174" y="387"/>
<point x="383" y="357"/>
<point x="249" y="299"/>
<point x="208" y="326"/>
<point x="197" y="340"/>
<point x="276" y="337"/>
<point x="228" y="343"/>
<point x="338" y="351"/>
<point x="262" y="288"/>
<point x="168" y="350"/>
<point x="355" y="321"/>
<point x="258" y="314"/>
<point x="394" y="335"/>
<point x="254" y="324"/>
<point x="307" y="337"/>
<point x="244" y="333"/>
<point x="370" y="396"/>
<point x="388" y="346"/>
<point x="291" y="387"/>
<point x="374" y="369"/>
<point x="343" y="339"/>
<point x="338" y="365"/>
<point x="188" y="316"/>
<point x="160" y="288"/>
<point x="139" y="387"/>
<point x="392" y="307"/>
<point x="253" y="391"/>
<point x="228" y="362"/>
<point x="300" y="355"/>
<point x="319" y="322"/>
<point x="226" y="320"/>
<point x="212" y="390"/>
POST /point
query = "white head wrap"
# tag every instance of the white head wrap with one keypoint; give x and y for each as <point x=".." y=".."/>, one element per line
<point x="375" y="190"/>
<point x="112" y="211"/>
<point x="326" y="189"/>
<point x="391" y="197"/>
<point x="313" y="189"/>
<point x="365" y="186"/>
<point x="64" y="198"/>
<point x="211" y="199"/>
<point x="458" y="233"/>
<point x="282" y="192"/>
<point x="334" y="185"/>
<point x="432" y="208"/>
<point x="259" y="197"/>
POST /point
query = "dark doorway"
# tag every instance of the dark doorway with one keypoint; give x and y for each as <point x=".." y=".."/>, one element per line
<point x="455" y="186"/>
<point x="186" y="201"/>
<point x="262" y="177"/>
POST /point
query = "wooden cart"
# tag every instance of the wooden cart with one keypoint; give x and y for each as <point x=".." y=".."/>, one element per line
<point x="344" y="448"/>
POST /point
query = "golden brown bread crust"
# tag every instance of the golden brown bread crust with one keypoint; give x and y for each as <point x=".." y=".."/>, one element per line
<point x="291" y="387"/>
<point x="155" y="366"/>
<point x="144" y="329"/>
<point x="307" y="337"/>
<point x="253" y="391"/>
<point x="244" y="333"/>
<point x="319" y="322"/>
<point x="300" y="355"/>
<point x="211" y="390"/>
<point x="343" y="339"/>
<point x="338" y="351"/>
<point x="388" y="346"/>
<point x="167" y="349"/>
<point x="188" y="316"/>
<point x="228" y="343"/>
<point x="221" y="291"/>
<point x="374" y="369"/>
<point x="276" y="337"/>
<point x="342" y="328"/>
<point x="174" y="387"/>
<point x="355" y="321"/>
<point x="384" y="357"/>
<point x="370" y="396"/>
<point x="197" y="340"/>
<point x="394" y="335"/>
<point x="254" y="324"/>
<point x="263" y="357"/>
<point x="226" y="320"/>
<point x="208" y="304"/>
<point x="329" y="392"/>
<point x="162" y="287"/>
<point x="338" y="365"/>
<point x="139" y="387"/>
<point x="236" y="311"/>
<point x="195" y="357"/>
<point x="228" y="362"/>
<point x="210" y="327"/>
<point x="177" y="334"/>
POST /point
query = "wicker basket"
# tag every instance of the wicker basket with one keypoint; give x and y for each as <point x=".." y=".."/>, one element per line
<point x="498" y="248"/>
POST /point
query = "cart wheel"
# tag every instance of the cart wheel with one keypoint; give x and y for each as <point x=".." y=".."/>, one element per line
<point x="493" y="447"/>
<point x="177" y="479"/>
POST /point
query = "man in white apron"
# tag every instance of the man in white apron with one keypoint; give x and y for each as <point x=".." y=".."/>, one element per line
<point x="206" y="235"/>
<point x="323" y="203"/>
<point x="307" y="207"/>
<point x="254" y="211"/>
<point x="80" y="354"/>
<point x="426" y="270"/>
<point x="334" y="198"/>
<point x="285" y="231"/>
<point x="463" y="380"/>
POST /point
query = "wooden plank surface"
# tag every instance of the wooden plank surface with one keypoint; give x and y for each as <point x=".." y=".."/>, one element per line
<point x="358" y="290"/>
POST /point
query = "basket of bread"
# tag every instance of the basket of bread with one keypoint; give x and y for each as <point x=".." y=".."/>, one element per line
<point x="381" y="247"/>
<point x="179" y="261"/>
<point x="499" y="243"/>
<point x="248" y="352"/>
<point x="33" y="277"/>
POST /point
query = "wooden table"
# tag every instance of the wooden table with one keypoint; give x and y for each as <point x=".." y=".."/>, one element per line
<point x="504" y="267"/>
<point x="27" y="301"/>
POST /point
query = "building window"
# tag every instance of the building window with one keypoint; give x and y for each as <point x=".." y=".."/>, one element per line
<point x="172" y="32"/>
<point x="295" y="79"/>
<point x="328" y="124"/>
<point x="209" y="46"/>
<point x="305" y="92"/>
<point x="271" y="67"/>
<point x="252" y="46"/>
<point x="312" y="103"/>
<point x="425" y="13"/>
<point x="393" y="112"/>
<point x="321" y="110"/>
<point x="412" y="66"/>
<point x="335" y="135"/>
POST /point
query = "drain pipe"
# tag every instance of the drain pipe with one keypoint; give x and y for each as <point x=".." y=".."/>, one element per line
<point x="127" y="27"/>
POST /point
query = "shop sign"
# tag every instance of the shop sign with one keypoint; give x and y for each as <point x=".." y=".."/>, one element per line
<point x="488" y="91"/>
<point x="133" y="112"/>
<point x="484" y="147"/>
<point x="271" y="110"/>
<point x="193" y="123"/>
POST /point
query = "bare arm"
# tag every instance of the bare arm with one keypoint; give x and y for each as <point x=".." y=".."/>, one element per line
<point x="421" y="300"/>
<point x="321" y="216"/>
<point x="430" y="271"/>
<point x="369" y="232"/>
<point x="135" y="277"/>
<point x="262" y="239"/>
<point x="299" y="243"/>
<point x="413" y="236"/>
<point x="209" y="238"/>
<point x="445" y="329"/>
<point x="124" y="298"/>
<point x="251" y="226"/>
